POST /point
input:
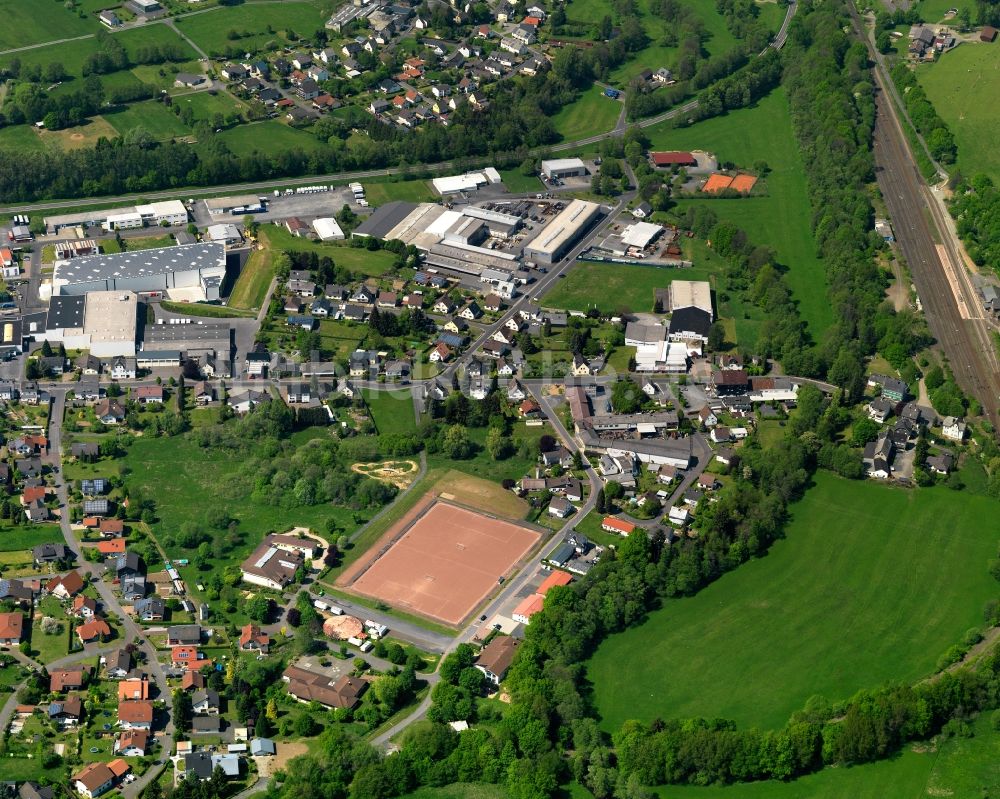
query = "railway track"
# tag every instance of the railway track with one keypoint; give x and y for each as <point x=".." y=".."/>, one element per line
<point x="966" y="341"/>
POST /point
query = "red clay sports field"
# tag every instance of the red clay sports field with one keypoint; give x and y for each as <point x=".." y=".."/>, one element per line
<point x="443" y="560"/>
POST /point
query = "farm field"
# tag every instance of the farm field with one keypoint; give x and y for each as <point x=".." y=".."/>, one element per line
<point x="414" y="191"/>
<point x="588" y="115"/>
<point x="23" y="25"/>
<point x="22" y="138"/>
<point x="955" y="85"/>
<point x="263" y="23"/>
<point x="614" y="286"/>
<point x="956" y="767"/>
<point x="780" y="220"/>
<point x="757" y="643"/>
<point x="70" y="54"/>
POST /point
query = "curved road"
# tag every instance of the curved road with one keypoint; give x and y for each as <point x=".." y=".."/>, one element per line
<point x="345" y="177"/>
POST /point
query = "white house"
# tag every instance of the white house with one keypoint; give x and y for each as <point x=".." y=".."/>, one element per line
<point x="953" y="428"/>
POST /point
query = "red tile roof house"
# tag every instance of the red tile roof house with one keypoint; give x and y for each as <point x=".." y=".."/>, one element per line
<point x="33" y="493"/>
<point x="147" y="394"/>
<point x="99" y="778"/>
<point x="675" y="158"/>
<point x="83" y="607"/>
<point x="65" y="586"/>
<point x="11" y="628"/>
<point x="186" y="656"/>
<point x="94" y="630"/>
<point x="620" y="526"/>
<point x="252" y="638"/>
<point x="61" y="680"/>
<point x="115" y="546"/>
<point x="132" y="743"/>
<point x="135" y="714"/>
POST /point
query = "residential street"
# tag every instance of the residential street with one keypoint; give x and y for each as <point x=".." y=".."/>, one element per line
<point x="133" y="633"/>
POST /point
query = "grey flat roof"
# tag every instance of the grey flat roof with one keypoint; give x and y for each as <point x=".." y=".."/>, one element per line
<point x="384" y="219"/>
<point x="66" y="311"/>
<point x="162" y="334"/>
<point x="142" y="263"/>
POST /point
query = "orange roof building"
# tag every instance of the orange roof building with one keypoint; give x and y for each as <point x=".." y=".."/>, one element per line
<point x="554" y="579"/>
<point x="93" y="630"/>
<point x="185" y="656"/>
<point x="116" y="546"/>
<point x="615" y="525"/>
<point x="529" y="606"/>
<point x="33" y="493"/>
<point x="133" y="689"/>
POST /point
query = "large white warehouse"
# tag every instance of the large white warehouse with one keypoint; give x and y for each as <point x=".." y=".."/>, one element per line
<point x="559" y="236"/>
<point x="199" y="268"/>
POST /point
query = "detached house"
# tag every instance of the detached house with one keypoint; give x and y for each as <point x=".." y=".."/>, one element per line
<point x="496" y="658"/>
<point x="135" y="714"/>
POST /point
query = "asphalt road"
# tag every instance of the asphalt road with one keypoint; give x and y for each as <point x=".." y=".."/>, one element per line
<point x="344" y="177"/>
<point x="132" y="632"/>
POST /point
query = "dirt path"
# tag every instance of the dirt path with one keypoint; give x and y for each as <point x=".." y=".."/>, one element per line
<point x="389" y="472"/>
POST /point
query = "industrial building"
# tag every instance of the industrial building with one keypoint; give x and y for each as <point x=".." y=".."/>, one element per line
<point x="641" y="234"/>
<point x="690" y="294"/>
<point x="560" y="168"/>
<point x="241" y="204"/>
<point x="193" y="272"/>
<point x="191" y="337"/>
<point x="328" y="229"/>
<point x="171" y="212"/>
<point x="559" y="236"/>
<point x="103" y="322"/>
<point x="11" y="337"/>
<point x="471" y="181"/>
<point x="226" y="233"/>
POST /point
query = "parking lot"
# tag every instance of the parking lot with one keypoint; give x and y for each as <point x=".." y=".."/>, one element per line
<point x="307" y="206"/>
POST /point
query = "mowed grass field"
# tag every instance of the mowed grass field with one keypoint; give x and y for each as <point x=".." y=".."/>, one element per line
<point x="392" y="411"/>
<point x="413" y="191"/>
<point x="265" y="23"/>
<point x="958" y="85"/>
<point x="872" y="584"/>
<point x="27" y="22"/>
<point x="160" y="121"/>
<point x="611" y="287"/>
<point x="269" y="136"/>
<point x="780" y="220"/>
<point x="72" y="54"/>
<point x="358" y="260"/>
<point x="187" y="480"/>
<point x="590" y="114"/>
<point x="957" y="767"/>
